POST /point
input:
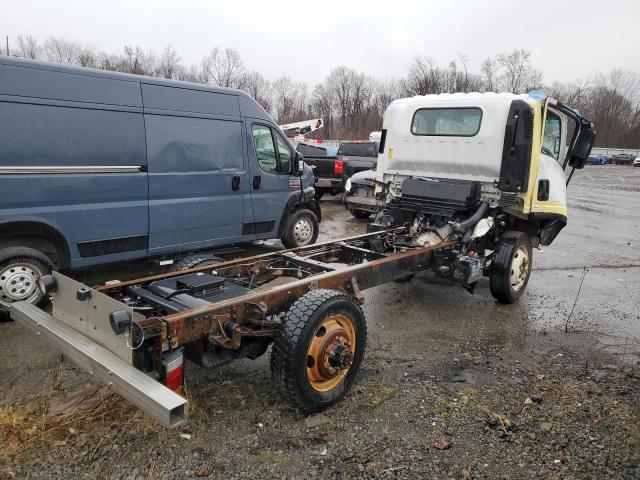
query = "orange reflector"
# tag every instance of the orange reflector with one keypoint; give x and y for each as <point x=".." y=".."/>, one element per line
<point x="175" y="379"/>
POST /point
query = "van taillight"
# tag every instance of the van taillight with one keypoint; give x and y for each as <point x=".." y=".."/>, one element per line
<point x="338" y="167"/>
<point x="173" y="371"/>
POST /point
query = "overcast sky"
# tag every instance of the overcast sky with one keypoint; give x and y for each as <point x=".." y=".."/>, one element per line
<point x="568" y="39"/>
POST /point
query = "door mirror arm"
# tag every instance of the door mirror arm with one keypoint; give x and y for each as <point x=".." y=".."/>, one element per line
<point x="299" y="164"/>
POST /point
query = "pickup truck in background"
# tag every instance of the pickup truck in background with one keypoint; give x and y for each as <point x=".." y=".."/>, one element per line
<point x="332" y="171"/>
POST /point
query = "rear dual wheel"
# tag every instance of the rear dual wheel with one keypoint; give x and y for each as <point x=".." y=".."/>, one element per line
<point x="318" y="350"/>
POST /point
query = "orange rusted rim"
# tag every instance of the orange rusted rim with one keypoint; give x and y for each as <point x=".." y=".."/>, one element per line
<point x="330" y="353"/>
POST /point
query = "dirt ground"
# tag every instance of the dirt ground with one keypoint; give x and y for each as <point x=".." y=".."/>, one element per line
<point x="453" y="385"/>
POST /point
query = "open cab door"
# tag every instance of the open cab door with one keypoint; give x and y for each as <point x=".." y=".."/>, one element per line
<point x="582" y="141"/>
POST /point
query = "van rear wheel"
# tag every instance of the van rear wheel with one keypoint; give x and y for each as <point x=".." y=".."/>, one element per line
<point x="20" y="270"/>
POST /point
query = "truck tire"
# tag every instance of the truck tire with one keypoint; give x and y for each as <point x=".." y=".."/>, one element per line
<point x="511" y="267"/>
<point x="318" y="351"/>
<point x="301" y="229"/>
<point x="360" y="213"/>
<point x="20" y="270"/>
<point x="193" y="261"/>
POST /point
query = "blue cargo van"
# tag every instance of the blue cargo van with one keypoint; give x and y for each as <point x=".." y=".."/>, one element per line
<point x="99" y="167"/>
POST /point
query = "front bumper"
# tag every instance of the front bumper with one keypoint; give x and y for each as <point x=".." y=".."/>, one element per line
<point x="164" y="405"/>
<point x="362" y="199"/>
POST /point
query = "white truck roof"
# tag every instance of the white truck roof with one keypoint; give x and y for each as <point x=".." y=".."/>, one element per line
<point x="410" y="151"/>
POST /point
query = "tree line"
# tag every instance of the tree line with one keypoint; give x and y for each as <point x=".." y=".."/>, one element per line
<point x="352" y="103"/>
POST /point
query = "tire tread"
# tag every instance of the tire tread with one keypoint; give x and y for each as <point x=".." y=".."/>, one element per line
<point x="193" y="261"/>
<point x="499" y="278"/>
<point x="283" y="361"/>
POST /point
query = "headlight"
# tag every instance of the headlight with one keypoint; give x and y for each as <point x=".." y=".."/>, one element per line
<point x="347" y="185"/>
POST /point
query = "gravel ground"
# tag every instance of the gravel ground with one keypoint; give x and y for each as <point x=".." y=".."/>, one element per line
<point x="452" y="385"/>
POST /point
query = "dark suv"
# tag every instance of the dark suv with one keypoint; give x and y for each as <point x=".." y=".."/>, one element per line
<point x="623" y="159"/>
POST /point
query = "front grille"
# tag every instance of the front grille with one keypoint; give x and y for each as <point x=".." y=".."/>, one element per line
<point x="439" y="196"/>
<point x="509" y="199"/>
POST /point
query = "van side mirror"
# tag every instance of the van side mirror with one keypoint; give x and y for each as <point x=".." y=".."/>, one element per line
<point x="299" y="161"/>
<point x="582" y="148"/>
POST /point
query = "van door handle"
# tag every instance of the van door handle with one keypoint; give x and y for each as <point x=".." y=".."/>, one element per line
<point x="256" y="182"/>
<point x="235" y="183"/>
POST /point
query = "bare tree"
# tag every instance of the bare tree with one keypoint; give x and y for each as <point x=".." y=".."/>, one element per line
<point x="28" y="47"/>
<point x="289" y="100"/>
<point x="259" y="88"/>
<point x="87" y="57"/>
<point x="424" y="77"/>
<point x="384" y="92"/>
<point x="61" y="50"/>
<point x="517" y="73"/>
<point x="223" y="68"/>
<point x="569" y="93"/>
<point x="350" y="93"/>
<point x="351" y="103"/>
<point x="489" y="71"/>
<point x="613" y="104"/>
<point x="190" y="74"/>
<point x="322" y="106"/>
<point x="169" y="63"/>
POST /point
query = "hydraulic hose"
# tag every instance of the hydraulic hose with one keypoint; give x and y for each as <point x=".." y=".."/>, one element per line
<point x="473" y="219"/>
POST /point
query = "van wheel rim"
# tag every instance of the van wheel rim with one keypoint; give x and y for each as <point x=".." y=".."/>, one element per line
<point x="303" y="231"/>
<point x="331" y="352"/>
<point x="19" y="282"/>
<point x="519" y="268"/>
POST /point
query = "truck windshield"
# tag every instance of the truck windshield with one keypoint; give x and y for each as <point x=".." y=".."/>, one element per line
<point x="358" y="149"/>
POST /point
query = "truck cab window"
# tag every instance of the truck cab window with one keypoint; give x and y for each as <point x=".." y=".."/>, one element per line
<point x="285" y="155"/>
<point x="552" y="135"/>
<point x="265" y="149"/>
<point x="458" y="122"/>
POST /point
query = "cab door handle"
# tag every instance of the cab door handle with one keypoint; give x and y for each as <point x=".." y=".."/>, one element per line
<point x="235" y="183"/>
<point x="543" y="190"/>
<point x="256" y="182"/>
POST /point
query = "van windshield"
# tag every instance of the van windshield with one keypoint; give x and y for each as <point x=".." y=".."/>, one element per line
<point x="358" y="149"/>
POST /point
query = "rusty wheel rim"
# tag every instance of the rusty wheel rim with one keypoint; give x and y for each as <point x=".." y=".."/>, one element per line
<point x="331" y="352"/>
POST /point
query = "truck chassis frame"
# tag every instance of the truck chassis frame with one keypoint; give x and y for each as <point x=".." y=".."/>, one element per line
<point x="349" y="265"/>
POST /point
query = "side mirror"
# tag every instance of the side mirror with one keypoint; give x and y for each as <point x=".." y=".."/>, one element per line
<point x="299" y="160"/>
<point x="582" y="148"/>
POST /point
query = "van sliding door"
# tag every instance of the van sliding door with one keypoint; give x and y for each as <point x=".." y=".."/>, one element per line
<point x="196" y="169"/>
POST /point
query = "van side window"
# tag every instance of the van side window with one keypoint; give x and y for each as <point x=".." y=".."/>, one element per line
<point x="265" y="149"/>
<point x="552" y="136"/>
<point x="285" y="155"/>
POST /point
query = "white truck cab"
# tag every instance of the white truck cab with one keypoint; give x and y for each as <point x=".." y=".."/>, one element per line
<point x="452" y="162"/>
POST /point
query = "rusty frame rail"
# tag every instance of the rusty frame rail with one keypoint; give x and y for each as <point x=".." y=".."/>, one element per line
<point x="226" y="322"/>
